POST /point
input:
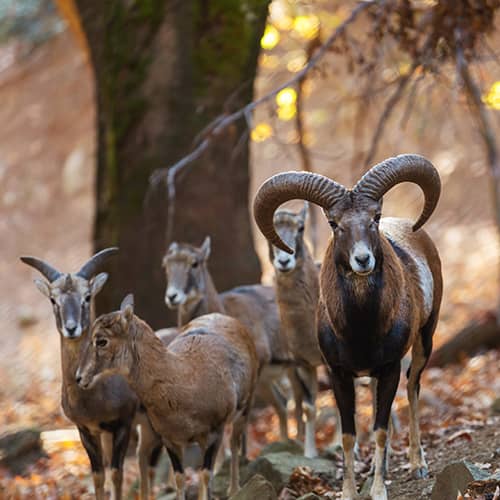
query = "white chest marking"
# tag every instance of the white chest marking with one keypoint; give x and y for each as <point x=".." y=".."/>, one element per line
<point x="426" y="285"/>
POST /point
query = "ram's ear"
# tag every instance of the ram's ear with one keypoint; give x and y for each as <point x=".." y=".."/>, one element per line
<point x="97" y="282"/>
<point x="43" y="286"/>
<point x="127" y="307"/>
<point x="173" y="247"/>
<point x="205" y="248"/>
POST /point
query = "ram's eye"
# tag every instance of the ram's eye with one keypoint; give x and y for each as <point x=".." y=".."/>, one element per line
<point x="194" y="265"/>
<point x="101" y="342"/>
<point x="301" y="229"/>
<point x="53" y="301"/>
<point x="87" y="298"/>
<point x="377" y="218"/>
<point x="333" y="224"/>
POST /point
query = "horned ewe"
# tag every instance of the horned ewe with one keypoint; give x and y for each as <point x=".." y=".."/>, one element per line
<point x="380" y="293"/>
<point x="191" y="290"/>
<point x="297" y="294"/>
<point x="104" y="416"/>
<point x="191" y="389"/>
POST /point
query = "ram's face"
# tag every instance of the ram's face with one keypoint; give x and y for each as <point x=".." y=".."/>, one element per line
<point x="71" y="297"/>
<point x="356" y="236"/>
<point x="107" y="351"/>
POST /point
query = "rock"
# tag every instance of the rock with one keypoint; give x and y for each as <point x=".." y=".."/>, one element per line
<point x="290" y="446"/>
<point x="332" y="452"/>
<point x="220" y="481"/>
<point x="309" y="496"/>
<point x="455" y="477"/>
<point x="256" y="487"/>
<point x="275" y="468"/>
<point x="278" y="467"/>
<point x="20" y="449"/>
<point x="191" y="494"/>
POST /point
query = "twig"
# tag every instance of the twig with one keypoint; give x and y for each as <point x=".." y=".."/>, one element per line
<point x="304" y="153"/>
<point x="222" y="122"/>
<point x="389" y="108"/>
<point x="410" y="102"/>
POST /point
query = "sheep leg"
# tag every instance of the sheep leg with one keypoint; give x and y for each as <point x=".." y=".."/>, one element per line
<point x="237" y="434"/>
<point x="92" y="446"/>
<point x="176" y="455"/>
<point x="386" y="387"/>
<point x="279" y="403"/>
<point x="148" y="452"/>
<point x="307" y="377"/>
<point x="418" y="465"/>
<point x="121" y="436"/>
<point x="392" y="424"/>
<point x="343" y="389"/>
<point x="209" y="457"/>
<point x="297" y="397"/>
<point x="154" y="457"/>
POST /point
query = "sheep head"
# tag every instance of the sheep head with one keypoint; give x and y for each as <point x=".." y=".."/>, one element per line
<point x="353" y="214"/>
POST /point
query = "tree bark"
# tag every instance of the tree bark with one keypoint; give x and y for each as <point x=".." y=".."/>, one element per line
<point x="163" y="70"/>
<point x="482" y="333"/>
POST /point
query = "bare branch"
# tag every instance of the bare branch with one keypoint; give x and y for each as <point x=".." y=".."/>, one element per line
<point x="389" y="108"/>
<point x="220" y="123"/>
<point x="304" y="153"/>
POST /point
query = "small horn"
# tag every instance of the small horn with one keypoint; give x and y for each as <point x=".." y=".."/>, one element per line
<point x="68" y="283"/>
<point x="91" y="267"/>
<point x="286" y="186"/>
<point x="46" y="269"/>
<point x="403" y="168"/>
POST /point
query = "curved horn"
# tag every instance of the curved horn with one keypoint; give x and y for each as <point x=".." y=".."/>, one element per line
<point x="46" y="269"/>
<point x="288" y="186"/>
<point x="403" y="168"/>
<point x="91" y="267"/>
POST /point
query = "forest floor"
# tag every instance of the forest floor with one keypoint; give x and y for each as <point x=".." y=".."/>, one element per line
<point x="50" y="92"/>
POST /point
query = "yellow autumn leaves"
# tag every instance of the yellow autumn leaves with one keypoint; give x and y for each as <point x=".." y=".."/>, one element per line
<point x="286" y="102"/>
<point x="492" y="98"/>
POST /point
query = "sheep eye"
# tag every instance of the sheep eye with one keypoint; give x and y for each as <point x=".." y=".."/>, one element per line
<point x="301" y="229"/>
<point x="377" y="218"/>
<point x="333" y="224"/>
<point x="101" y="342"/>
<point x="53" y="301"/>
<point x="194" y="265"/>
<point x="87" y="298"/>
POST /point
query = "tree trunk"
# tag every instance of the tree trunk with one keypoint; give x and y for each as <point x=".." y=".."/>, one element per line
<point x="163" y="70"/>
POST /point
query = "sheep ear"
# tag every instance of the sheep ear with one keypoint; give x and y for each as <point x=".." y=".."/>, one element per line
<point x="205" y="248"/>
<point x="97" y="282"/>
<point x="305" y="211"/>
<point x="43" y="286"/>
<point x="127" y="307"/>
<point x="173" y="247"/>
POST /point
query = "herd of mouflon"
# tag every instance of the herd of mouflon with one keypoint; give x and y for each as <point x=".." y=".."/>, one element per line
<point x="374" y="298"/>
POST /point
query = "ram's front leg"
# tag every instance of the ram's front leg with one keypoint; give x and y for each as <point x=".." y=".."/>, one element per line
<point x="343" y="389"/>
<point x="387" y="384"/>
